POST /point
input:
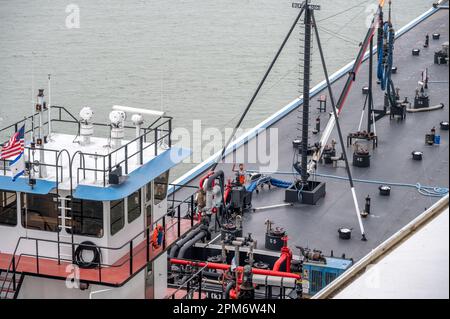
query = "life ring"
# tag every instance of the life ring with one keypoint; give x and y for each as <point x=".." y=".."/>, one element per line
<point x="79" y="259"/>
<point x="157" y="237"/>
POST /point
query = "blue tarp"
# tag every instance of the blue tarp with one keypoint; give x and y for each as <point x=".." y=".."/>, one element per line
<point x="42" y="187"/>
<point x="136" y="179"/>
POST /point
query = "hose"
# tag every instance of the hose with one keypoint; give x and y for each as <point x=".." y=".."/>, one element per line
<point x="426" y="109"/>
<point x="211" y="274"/>
<point x="380" y="47"/>
<point x="78" y="255"/>
<point x="190" y="243"/>
<point x="180" y="243"/>
<point x="279" y="183"/>
<point x="433" y="191"/>
<point x="385" y="67"/>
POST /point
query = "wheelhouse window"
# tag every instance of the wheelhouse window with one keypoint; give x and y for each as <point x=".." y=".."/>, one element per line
<point x="41" y="212"/>
<point x="161" y="184"/>
<point x="117" y="216"/>
<point x="87" y="218"/>
<point x="134" y="206"/>
<point x="8" y="208"/>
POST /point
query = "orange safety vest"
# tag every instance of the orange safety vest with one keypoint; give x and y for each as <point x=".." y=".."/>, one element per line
<point x="155" y="234"/>
<point x="242" y="178"/>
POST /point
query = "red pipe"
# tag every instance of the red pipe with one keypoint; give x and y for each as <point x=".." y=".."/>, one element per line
<point x="233" y="294"/>
<point x="286" y="256"/>
<point x="279" y="262"/>
<point x="226" y="267"/>
<point x="227" y="191"/>
<point x="358" y="65"/>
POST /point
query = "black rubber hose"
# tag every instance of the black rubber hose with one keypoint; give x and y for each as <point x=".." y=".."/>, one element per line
<point x="87" y="245"/>
<point x="190" y="243"/>
<point x="211" y="274"/>
<point x="181" y="242"/>
<point x="213" y="177"/>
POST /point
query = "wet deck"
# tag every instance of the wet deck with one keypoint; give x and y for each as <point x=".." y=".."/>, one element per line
<point x="316" y="226"/>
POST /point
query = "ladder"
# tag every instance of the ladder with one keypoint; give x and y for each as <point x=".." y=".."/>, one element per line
<point x="63" y="240"/>
<point x="11" y="284"/>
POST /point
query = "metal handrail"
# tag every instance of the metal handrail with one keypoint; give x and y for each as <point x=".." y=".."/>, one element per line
<point x="106" y="158"/>
<point x="13" y="265"/>
<point x="197" y="274"/>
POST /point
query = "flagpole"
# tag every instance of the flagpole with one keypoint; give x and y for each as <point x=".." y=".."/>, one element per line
<point x="49" y="108"/>
<point x="32" y="95"/>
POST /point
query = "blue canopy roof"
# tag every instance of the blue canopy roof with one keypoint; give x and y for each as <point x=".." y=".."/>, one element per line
<point x="136" y="179"/>
<point x="42" y="187"/>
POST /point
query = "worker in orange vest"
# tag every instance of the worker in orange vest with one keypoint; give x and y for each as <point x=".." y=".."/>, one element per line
<point x="240" y="173"/>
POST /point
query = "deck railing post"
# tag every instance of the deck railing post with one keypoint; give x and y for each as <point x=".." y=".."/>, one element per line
<point x="188" y="290"/>
<point x="156" y="142"/>
<point x="179" y="221"/>
<point x="164" y="232"/>
<point x="200" y="278"/>
<point x="192" y="210"/>
<point x="170" y="132"/>
<point x="59" y="248"/>
<point x="73" y="250"/>
<point x="104" y="172"/>
<point x="131" y="258"/>
<point x="147" y="239"/>
<point x="14" y="272"/>
<point x="141" y="150"/>
<point x="37" y="256"/>
<point x="126" y="159"/>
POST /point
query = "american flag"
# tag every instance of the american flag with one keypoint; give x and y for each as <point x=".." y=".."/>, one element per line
<point x="15" y="145"/>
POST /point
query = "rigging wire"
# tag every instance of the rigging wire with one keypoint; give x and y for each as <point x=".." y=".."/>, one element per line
<point x="343" y="38"/>
<point x="219" y="158"/>
<point x="345" y="10"/>
<point x="344" y="28"/>
<point x="326" y="30"/>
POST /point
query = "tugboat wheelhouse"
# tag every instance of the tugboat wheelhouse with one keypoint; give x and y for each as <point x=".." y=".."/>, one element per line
<point x="94" y="202"/>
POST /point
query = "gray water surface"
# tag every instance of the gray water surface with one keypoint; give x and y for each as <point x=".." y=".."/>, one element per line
<point x="195" y="59"/>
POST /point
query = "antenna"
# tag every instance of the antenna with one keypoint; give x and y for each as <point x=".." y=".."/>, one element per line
<point x="128" y="109"/>
<point x="162" y="92"/>
<point x="49" y="108"/>
<point x="32" y="95"/>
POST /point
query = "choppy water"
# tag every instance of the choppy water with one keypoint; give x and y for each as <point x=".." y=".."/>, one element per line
<point x="196" y="59"/>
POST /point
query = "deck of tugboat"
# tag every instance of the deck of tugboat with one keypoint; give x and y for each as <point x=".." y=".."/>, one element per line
<point x="317" y="226"/>
<point x="112" y="275"/>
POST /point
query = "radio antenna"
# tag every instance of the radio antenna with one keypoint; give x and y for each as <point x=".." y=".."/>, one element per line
<point x="32" y="95"/>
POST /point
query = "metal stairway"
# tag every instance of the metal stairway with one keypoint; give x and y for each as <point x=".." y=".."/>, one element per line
<point x="11" y="282"/>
